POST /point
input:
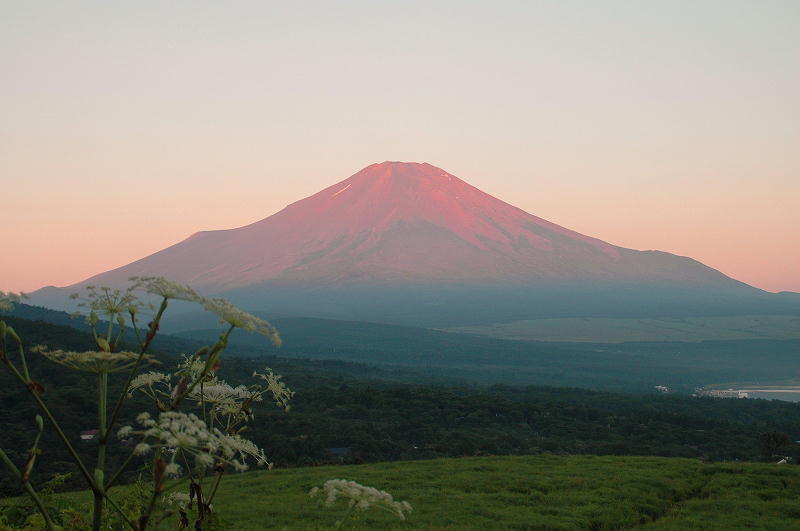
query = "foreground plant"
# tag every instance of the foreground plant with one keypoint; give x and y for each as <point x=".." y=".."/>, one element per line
<point x="176" y="442"/>
<point x="359" y="498"/>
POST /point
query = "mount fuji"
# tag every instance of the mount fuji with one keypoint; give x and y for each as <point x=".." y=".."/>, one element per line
<point x="411" y="243"/>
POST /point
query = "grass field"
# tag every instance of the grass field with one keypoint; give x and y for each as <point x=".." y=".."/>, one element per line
<point x="607" y="330"/>
<point x="541" y="492"/>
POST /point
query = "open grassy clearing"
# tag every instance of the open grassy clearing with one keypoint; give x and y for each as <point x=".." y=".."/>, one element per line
<point x="543" y="492"/>
<point x="610" y="330"/>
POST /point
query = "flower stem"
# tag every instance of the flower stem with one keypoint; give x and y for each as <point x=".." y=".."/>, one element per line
<point x="28" y="489"/>
<point x="216" y="486"/>
<point x="99" y="497"/>
<point x="213" y="356"/>
<point x="124" y="466"/>
<point x="124" y="393"/>
<point x="117" y="508"/>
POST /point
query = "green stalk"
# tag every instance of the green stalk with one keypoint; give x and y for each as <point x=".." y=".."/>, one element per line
<point x="158" y="488"/>
<point x="123" y="395"/>
<point x="216" y="486"/>
<point x="136" y="329"/>
<point x="117" y="508"/>
<point x="212" y="358"/>
<point x="28" y="489"/>
<point x="99" y="497"/>
<point x="102" y="411"/>
<point x="124" y="466"/>
<point x="110" y="327"/>
<point x="24" y="362"/>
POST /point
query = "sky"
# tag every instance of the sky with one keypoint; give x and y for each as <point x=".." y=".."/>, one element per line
<point x="127" y="126"/>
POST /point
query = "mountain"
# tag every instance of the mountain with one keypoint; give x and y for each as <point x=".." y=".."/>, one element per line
<point x="398" y="240"/>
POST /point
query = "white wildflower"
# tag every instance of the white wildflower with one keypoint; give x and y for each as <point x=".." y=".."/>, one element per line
<point x="148" y="379"/>
<point x="167" y="289"/>
<point x="361" y="497"/>
<point x="204" y="460"/>
<point x="220" y="392"/>
<point x="192" y="368"/>
<point x="232" y="315"/>
<point x="186" y="432"/>
<point x="7" y="300"/>
<point x="124" y="432"/>
<point x="98" y="362"/>
<point x="280" y="392"/>
<point x="107" y="301"/>
<point x="238" y="466"/>
<point x="141" y="449"/>
<point x="233" y="446"/>
<point x="181" y="499"/>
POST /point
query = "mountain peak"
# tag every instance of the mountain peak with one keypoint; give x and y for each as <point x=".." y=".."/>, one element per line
<point x="391" y="169"/>
<point x="399" y="222"/>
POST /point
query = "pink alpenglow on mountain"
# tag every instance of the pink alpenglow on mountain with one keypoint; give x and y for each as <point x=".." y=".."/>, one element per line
<point x="403" y="223"/>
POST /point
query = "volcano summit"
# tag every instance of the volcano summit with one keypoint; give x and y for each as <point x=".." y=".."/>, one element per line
<point x="398" y="241"/>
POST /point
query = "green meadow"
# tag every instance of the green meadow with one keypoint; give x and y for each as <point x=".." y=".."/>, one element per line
<point x="528" y="492"/>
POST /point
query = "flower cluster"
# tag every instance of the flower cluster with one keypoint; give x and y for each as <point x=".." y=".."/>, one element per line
<point x="228" y="313"/>
<point x="361" y="497"/>
<point x="166" y="289"/>
<point x="97" y="362"/>
<point x="192" y="367"/>
<point x="107" y="301"/>
<point x="7" y="300"/>
<point x="218" y="392"/>
<point x="279" y="391"/>
<point x="181" y="499"/>
<point x="177" y="431"/>
<point x="148" y="380"/>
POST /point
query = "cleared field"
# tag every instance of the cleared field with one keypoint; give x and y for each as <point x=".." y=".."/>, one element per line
<point x="608" y="330"/>
<point x="541" y="492"/>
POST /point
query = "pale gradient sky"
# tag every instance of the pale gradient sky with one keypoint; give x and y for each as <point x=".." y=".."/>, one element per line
<point x="127" y="126"/>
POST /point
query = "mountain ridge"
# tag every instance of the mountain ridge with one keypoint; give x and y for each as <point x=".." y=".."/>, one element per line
<point x="409" y="243"/>
<point x="397" y="222"/>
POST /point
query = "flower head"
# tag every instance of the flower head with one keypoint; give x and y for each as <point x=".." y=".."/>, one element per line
<point x="98" y="362"/>
<point x="219" y="393"/>
<point x="181" y="499"/>
<point x="7" y="300"/>
<point x="228" y="313"/>
<point x="148" y="379"/>
<point x="280" y="392"/>
<point x="175" y="430"/>
<point x="106" y="301"/>
<point x="361" y="497"/>
<point x="167" y="289"/>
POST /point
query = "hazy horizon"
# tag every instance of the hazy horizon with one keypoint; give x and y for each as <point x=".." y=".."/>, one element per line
<point x="666" y="125"/>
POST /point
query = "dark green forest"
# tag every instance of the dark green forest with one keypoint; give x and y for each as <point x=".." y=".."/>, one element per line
<point x="355" y="413"/>
<point x="625" y="367"/>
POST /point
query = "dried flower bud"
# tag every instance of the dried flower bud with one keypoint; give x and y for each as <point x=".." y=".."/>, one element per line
<point x="103" y="344"/>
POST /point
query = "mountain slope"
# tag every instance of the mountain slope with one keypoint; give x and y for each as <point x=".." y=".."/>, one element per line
<point x="404" y="222"/>
<point x="410" y="243"/>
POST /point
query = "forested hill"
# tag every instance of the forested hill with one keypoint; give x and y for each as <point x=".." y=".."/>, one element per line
<point x="369" y="414"/>
<point x="434" y="356"/>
